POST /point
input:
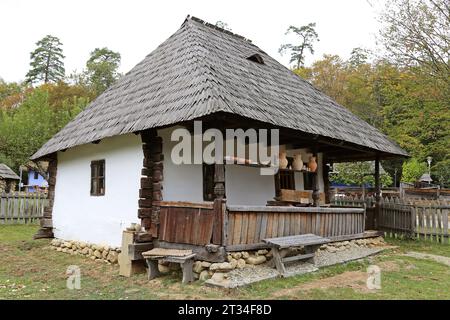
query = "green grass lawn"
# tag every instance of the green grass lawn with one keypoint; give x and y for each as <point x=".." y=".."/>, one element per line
<point x="29" y="270"/>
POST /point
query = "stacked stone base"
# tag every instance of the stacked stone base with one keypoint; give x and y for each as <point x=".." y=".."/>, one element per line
<point x="98" y="252"/>
<point x="344" y="245"/>
<point x="204" y="270"/>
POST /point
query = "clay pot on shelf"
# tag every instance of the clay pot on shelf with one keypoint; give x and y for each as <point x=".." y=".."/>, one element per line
<point x="283" y="160"/>
<point x="297" y="164"/>
<point x="312" y="164"/>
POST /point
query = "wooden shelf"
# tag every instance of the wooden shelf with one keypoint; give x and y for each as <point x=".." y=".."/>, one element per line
<point x="292" y="170"/>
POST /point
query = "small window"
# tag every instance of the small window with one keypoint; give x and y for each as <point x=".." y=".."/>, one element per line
<point x="36" y="175"/>
<point x="287" y="180"/>
<point x="98" y="178"/>
<point x="308" y="181"/>
<point x="208" y="182"/>
<point x="284" y="179"/>
<point x="256" y="58"/>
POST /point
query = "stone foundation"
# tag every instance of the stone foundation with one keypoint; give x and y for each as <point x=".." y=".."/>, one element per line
<point x="93" y="251"/>
<point x="204" y="270"/>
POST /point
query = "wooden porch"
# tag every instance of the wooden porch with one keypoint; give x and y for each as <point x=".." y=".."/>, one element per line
<point x="213" y="228"/>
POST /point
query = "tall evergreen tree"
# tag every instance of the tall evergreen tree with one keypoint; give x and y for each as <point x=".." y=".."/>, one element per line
<point x="46" y="61"/>
<point x="308" y="36"/>
<point x="101" y="69"/>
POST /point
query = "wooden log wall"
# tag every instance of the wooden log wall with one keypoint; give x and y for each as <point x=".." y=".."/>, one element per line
<point x="46" y="222"/>
<point x="150" y="193"/>
<point x="250" y="227"/>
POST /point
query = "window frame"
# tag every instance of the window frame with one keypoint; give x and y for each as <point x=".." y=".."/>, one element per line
<point x="208" y="178"/>
<point x="95" y="190"/>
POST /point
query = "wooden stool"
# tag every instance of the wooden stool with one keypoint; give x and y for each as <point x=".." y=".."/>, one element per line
<point x="186" y="262"/>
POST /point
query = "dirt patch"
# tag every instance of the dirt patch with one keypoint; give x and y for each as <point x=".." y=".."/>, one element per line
<point x="355" y="280"/>
<point x="389" y="266"/>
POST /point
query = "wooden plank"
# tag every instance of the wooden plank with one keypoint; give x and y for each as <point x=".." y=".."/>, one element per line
<point x="251" y="229"/>
<point x="275" y="222"/>
<point x="185" y="204"/>
<point x="263" y="230"/>
<point x="237" y="228"/>
<point x="280" y="231"/>
<point x="244" y="228"/>
<point x="298" y="257"/>
<point x="257" y="233"/>
<point x="218" y="222"/>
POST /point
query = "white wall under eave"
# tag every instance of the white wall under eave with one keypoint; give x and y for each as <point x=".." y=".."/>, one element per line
<point x="246" y="186"/>
<point x="79" y="216"/>
<point x="183" y="182"/>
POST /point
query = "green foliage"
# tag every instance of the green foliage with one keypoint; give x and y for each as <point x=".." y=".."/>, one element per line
<point x="441" y="173"/>
<point x="308" y="36"/>
<point x="43" y="112"/>
<point x="101" y="69"/>
<point x="413" y="170"/>
<point x="46" y="61"/>
<point x="358" y="173"/>
<point x="416" y="32"/>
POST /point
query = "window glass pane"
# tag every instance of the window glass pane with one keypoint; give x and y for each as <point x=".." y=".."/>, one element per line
<point x="101" y="186"/>
<point x="94" y="189"/>
<point x="101" y="169"/>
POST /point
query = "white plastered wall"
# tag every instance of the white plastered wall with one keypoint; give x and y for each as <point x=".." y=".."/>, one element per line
<point x="79" y="216"/>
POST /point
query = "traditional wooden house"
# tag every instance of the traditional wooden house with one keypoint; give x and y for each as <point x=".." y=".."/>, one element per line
<point x="8" y="179"/>
<point x="112" y="164"/>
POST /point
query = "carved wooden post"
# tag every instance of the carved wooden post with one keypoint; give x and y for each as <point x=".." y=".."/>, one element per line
<point x="150" y="193"/>
<point x="46" y="222"/>
<point x="219" y="193"/>
<point x="377" y="191"/>
<point x="316" y="191"/>
<point x="326" y="179"/>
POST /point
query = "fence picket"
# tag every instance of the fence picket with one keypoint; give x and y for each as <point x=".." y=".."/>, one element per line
<point x="21" y="207"/>
<point x="427" y="220"/>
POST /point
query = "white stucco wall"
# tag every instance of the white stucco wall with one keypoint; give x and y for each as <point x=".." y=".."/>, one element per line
<point x="79" y="216"/>
<point x="246" y="186"/>
<point x="181" y="182"/>
<point x="243" y="185"/>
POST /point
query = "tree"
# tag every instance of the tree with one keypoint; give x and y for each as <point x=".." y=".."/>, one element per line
<point x="43" y="112"/>
<point x="358" y="173"/>
<point x="46" y="61"/>
<point x="413" y="170"/>
<point x="308" y="36"/>
<point x="417" y="32"/>
<point x="358" y="57"/>
<point x="101" y="69"/>
<point x="223" y="25"/>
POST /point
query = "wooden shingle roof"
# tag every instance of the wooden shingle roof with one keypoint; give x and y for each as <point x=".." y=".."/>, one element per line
<point x="7" y="173"/>
<point x="201" y="70"/>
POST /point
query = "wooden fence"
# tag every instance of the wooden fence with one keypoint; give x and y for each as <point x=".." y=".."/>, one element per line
<point x="423" y="219"/>
<point x="248" y="225"/>
<point x="20" y="207"/>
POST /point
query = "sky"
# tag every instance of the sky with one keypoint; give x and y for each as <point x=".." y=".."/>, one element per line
<point x="136" y="27"/>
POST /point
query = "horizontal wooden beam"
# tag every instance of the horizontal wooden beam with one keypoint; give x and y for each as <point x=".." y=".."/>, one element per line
<point x="185" y="204"/>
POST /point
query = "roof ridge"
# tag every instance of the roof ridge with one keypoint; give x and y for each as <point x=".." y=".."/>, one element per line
<point x="215" y="27"/>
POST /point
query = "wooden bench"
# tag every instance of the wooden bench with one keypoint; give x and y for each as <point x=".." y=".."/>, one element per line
<point x="310" y="242"/>
<point x="184" y="257"/>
